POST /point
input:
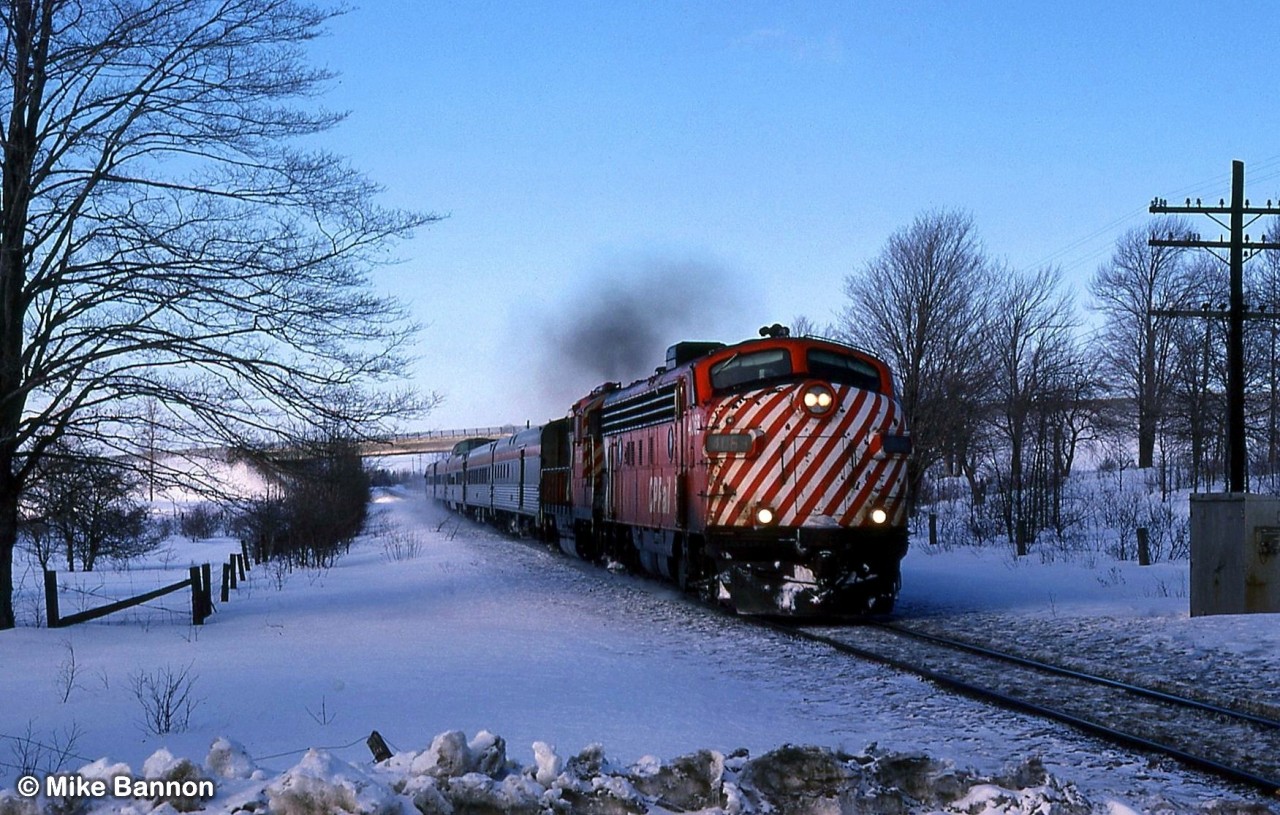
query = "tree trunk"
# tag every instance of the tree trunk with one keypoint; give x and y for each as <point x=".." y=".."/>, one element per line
<point x="8" y="539"/>
<point x="30" y="44"/>
<point x="1017" y="516"/>
<point x="1146" y="438"/>
<point x="8" y="543"/>
<point x="1148" y="402"/>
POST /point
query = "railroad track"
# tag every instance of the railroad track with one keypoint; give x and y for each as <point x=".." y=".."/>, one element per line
<point x="1240" y="746"/>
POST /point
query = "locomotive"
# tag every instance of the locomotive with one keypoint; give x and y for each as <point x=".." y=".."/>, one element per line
<point x="769" y="475"/>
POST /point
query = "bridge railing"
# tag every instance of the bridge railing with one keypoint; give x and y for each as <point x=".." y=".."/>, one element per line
<point x="432" y="441"/>
<point x="459" y="433"/>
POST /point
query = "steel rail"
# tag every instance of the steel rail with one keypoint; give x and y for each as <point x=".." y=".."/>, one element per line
<point x="1137" y="690"/>
<point x="1270" y="786"/>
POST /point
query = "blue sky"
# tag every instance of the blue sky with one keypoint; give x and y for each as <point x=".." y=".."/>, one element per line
<point x="741" y="158"/>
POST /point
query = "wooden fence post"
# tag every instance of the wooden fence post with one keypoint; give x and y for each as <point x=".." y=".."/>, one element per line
<point x="197" y="598"/>
<point x="231" y="567"/>
<point x="226" y="582"/>
<point x="378" y="746"/>
<point x="51" y="598"/>
<point x="244" y="557"/>
<point x="206" y="584"/>
<point x="1144" y="546"/>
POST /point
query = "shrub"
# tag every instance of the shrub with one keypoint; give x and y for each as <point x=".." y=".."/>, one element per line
<point x="165" y="697"/>
<point x="320" y="507"/>
<point x="200" y="522"/>
<point x="83" y="502"/>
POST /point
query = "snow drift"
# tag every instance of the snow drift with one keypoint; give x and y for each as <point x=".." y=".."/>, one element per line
<point x="453" y="776"/>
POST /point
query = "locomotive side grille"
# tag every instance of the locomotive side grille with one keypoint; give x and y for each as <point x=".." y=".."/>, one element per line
<point x="644" y="410"/>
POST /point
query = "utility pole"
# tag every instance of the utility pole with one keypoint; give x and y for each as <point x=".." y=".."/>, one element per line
<point x="1236" y="247"/>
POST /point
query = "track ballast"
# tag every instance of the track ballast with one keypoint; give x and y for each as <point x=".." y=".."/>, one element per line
<point x="1237" y="745"/>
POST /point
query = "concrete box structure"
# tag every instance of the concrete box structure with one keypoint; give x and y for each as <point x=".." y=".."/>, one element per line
<point x="1235" y="554"/>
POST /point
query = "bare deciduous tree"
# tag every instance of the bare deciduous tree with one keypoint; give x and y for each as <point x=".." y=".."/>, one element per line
<point x="168" y="256"/>
<point x="1136" y="342"/>
<point x="802" y="325"/>
<point x="923" y="304"/>
<point x="1264" y="349"/>
<point x="1031" y="340"/>
<point x="87" y="502"/>
<point x="1195" y="425"/>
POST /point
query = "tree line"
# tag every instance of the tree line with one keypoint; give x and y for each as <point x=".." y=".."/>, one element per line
<point x="83" y="508"/>
<point x="1004" y="375"/>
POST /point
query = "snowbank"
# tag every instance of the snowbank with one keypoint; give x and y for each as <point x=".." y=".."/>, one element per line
<point x="454" y="776"/>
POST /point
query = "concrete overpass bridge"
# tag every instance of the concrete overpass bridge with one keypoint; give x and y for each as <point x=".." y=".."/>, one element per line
<point x="431" y="441"/>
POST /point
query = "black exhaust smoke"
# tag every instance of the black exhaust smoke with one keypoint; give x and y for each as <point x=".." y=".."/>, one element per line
<point x="618" y="325"/>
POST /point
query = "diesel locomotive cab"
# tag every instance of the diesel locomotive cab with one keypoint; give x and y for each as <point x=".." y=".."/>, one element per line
<point x="805" y="475"/>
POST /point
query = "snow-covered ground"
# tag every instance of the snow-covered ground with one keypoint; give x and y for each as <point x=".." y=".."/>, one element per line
<point x="483" y="635"/>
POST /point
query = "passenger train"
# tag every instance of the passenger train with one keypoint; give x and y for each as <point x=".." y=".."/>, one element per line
<point x="769" y="475"/>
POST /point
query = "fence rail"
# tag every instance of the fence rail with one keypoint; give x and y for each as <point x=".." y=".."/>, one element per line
<point x="199" y="580"/>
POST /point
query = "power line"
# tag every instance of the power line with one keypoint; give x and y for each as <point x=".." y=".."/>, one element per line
<point x="1064" y="253"/>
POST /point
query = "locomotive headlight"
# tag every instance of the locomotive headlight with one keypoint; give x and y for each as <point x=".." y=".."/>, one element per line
<point x="764" y="516"/>
<point x="879" y="516"/>
<point x="818" y="399"/>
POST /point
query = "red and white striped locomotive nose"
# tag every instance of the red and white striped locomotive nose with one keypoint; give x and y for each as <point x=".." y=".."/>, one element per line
<point x="826" y="468"/>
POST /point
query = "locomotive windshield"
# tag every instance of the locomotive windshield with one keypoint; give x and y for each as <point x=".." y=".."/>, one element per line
<point x="843" y="368"/>
<point x="751" y="368"/>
